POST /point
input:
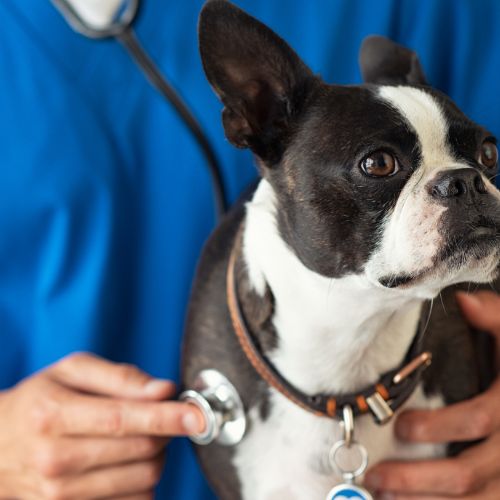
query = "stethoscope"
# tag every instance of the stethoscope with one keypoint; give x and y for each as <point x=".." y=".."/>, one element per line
<point x="212" y="393"/>
<point x="100" y="19"/>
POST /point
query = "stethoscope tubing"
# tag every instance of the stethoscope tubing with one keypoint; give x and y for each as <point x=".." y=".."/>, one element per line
<point x="159" y="81"/>
<point x="124" y="33"/>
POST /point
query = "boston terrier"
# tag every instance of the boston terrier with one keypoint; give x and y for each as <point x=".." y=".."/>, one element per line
<point x="373" y="200"/>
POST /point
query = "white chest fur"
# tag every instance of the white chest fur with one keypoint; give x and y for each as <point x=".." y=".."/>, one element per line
<point x="286" y="456"/>
<point x="334" y="335"/>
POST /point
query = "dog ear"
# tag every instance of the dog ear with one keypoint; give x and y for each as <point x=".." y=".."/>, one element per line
<point x="383" y="61"/>
<point x="260" y="80"/>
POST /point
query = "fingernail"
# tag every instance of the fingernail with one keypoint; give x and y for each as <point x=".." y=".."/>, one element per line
<point x="157" y="387"/>
<point x="191" y="423"/>
<point x="373" y="481"/>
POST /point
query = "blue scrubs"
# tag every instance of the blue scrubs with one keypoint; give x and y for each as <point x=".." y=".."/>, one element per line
<point x="105" y="200"/>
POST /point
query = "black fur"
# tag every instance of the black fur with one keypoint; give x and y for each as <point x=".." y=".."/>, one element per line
<point x="383" y="61"/>
<point x="259" y="78"/>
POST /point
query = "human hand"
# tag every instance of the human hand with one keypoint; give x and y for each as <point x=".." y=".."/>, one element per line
<point x="475" y="473"/>
<point x="88" y="428"/>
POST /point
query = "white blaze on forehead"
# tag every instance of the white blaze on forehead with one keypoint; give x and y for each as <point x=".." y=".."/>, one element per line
<point x="411" y="237"/>
<point x="424" y="114"/>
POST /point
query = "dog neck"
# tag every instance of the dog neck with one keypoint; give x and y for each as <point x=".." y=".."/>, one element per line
<point x="334" y="334"/>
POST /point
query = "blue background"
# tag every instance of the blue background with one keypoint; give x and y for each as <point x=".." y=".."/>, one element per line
<point x="105" y="201"/>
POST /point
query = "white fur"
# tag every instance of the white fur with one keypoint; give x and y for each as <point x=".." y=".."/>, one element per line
<point x="333" y="335"/>
<point x="322" y="321"/>
<point x="287" y="455"/>
<point x="424" y="115"/>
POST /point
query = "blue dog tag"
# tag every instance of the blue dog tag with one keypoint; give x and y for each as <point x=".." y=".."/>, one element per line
<point x="348" y="492"/>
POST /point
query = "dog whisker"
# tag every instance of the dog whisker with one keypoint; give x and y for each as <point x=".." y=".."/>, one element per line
<point x="442" y="303"/>
<point x="428" y="317"/>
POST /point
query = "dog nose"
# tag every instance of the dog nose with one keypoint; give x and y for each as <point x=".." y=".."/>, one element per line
<point x="457" y="183"/>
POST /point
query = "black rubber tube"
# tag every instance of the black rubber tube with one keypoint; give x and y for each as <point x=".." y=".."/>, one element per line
<point x="133" y="46"/>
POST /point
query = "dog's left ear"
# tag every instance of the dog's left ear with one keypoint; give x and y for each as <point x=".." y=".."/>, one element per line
<point x="384" y="62"/>
<point x="258" y="77"/>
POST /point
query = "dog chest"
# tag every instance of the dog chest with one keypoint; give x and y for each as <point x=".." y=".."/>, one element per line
<point x="286" y="455"/>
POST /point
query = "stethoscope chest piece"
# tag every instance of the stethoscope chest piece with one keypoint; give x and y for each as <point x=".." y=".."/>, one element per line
<point x="221" y="406"/>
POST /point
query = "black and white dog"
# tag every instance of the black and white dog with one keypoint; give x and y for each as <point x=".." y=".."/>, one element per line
<point x="373" y="200"/>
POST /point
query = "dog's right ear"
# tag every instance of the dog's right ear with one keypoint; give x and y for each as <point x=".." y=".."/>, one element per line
<point x="258" y="77"/>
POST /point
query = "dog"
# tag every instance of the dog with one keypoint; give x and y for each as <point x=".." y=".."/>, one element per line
<point x="373" y="199"/>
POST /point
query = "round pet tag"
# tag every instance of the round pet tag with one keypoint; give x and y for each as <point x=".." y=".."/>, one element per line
<point x="348" y="492"/>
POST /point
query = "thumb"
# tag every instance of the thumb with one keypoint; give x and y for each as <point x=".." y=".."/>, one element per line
<point x="481" y="310"/>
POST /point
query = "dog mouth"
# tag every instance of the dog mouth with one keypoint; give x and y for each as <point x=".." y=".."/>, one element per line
<point x="477" y="244"/>
<point x="472" y="246"/>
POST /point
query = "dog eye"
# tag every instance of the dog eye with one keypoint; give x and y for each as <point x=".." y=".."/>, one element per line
<point x="379" y="164"/>
<point x="489" y="154"/>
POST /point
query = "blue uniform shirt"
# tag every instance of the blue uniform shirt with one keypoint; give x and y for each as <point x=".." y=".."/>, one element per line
<point x="105" y="200"/>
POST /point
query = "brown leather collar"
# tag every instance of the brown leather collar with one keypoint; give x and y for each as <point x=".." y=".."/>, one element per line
<point x="382" y="398"/>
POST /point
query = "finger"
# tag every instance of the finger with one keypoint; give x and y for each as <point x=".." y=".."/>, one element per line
<point x="469" y="420"/>
<point x="482" y="310"/>
<point x="397" y="496"/>
<point x="95" y="416"/>
<point x="426" y="477"/>
<point x="147" y="495"/>
<point x="90" y="373"/>
<point x="490" y="492"/>
<point x="129" y="479"/>
<point x="458" y="476"/>
<point x="66" y="456"/>
<point x="136" y="496"/>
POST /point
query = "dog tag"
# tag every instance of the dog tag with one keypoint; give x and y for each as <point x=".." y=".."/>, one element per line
<point x="348" y="490"/>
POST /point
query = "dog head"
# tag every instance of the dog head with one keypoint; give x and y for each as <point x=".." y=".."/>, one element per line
<point x="388" y="179"/>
